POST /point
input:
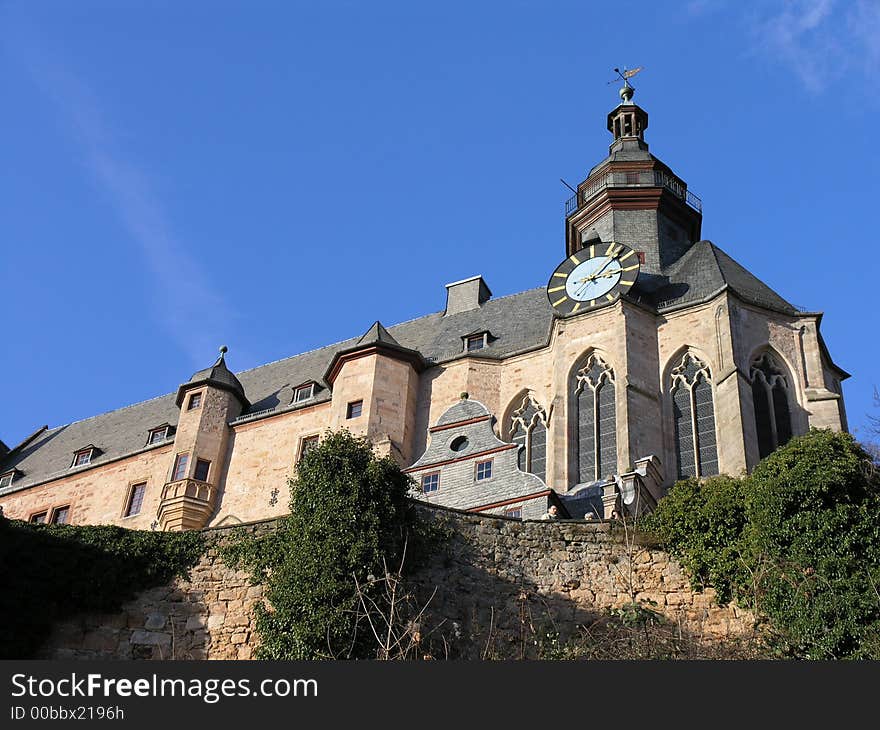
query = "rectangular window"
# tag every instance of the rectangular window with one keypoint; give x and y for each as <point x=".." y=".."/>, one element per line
<point x="484" y="469"/>
<point x="303" y="393"/>
<point x="306" y="445"/>
<point x="476" y="342"/>
<point x="135" y="499"/>
<point x="355" y="408"/>
<point x="513" y="512"/>
<point x="39" y="518"/>
<point x="82" y="458"/>
<point x="195" y="401"/>
<point x="203" y="466"/>
<point x="180" y="464"/>
<point x="157" y="435"/>
<point x="431" y="482"/>
<point x="6" y="479"/>
<point x="60" y="515"/>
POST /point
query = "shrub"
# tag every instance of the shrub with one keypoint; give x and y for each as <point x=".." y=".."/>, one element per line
<point x="349" y="519"/>
<point x="702" y="524"/>
<point x="814" y="525"/>
<point x="798" y="541"/>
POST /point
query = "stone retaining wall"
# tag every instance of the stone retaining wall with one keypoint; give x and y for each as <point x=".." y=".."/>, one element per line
<point x="492" y="580"/>
<point x="528" y="578"/>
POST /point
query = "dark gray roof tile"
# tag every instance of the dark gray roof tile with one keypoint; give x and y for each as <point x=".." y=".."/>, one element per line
<point x="703" y="271"/>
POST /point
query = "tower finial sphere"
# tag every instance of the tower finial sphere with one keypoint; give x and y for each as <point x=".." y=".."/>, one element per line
<point x="626" y="93"/>
<point x="223" y="349"/>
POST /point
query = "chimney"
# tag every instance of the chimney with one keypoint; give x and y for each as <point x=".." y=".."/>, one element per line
<point x="467" y="294"/>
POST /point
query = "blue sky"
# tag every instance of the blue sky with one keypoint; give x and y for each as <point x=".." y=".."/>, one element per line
<point x="180" y="175"/>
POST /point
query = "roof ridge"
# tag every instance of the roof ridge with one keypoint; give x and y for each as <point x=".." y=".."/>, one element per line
<point x="713" y="249"/>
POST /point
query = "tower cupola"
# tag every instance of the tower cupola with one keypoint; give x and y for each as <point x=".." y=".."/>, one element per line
<point x="627" y="121"/>
<point x="632" y="198"/>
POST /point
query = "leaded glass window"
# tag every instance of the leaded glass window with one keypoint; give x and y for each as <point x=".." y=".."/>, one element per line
<point x="772" y="411"/>
<point x="528" y="429"/>
<point x="693" y="417"/>
<point x="595" y="420"/>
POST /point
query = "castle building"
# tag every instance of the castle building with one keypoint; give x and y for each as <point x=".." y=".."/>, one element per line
<point x="650" y="355"/>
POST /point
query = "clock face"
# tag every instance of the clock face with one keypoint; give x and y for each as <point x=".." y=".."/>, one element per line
<point x="595" y="275"/>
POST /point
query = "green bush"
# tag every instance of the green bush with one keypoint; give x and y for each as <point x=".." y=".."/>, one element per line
<point x="702" y="524"/>
<point x="798" y="541"/>
<point x="349" y="519"/>
<point x="52" y="572"/>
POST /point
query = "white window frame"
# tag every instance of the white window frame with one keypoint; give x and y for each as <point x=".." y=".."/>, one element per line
<point x="483" y="337"/>
<point x="477" y="465"/>
<point x="161" y="429"/>
<point x="430" y="474"/>
<point x="308" y="388"/>
<point x="89" y="453"/>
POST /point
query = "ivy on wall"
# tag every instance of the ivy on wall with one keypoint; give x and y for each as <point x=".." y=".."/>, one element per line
<point x="798" y="541"/>
<point x="52" y="572"/>
<point x="350" y="521"/>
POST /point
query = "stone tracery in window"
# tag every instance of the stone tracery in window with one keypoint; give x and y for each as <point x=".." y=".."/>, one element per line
<point x="693" y="411"/>
<point x="770" y="395"/>
<point x="528" y="428"/>
<point x="595" y="420"/>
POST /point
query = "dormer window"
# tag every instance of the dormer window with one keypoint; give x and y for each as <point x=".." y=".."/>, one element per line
<point x="83" y="457"/>
<point x="476" y="341"/>
<point x="6" y="478"/>
<point x="303" y="392"/>
<point x="158" y="435"/>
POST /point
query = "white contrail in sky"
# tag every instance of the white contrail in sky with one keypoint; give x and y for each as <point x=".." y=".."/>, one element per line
<point x="189" y="306"/>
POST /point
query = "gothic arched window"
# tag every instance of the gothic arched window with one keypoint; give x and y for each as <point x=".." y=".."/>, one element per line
<point x="528" y="428"/>
<point x="595" y="421"/>
<point x="770" y="396"/>
<point x="693" y="412"/>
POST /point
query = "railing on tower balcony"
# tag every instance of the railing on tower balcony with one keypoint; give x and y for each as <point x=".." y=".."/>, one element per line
<point x="637" y="179"/>
<point x="186" y="504"/>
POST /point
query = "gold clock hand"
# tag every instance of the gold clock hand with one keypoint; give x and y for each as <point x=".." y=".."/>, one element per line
<point x="605" y="266"/>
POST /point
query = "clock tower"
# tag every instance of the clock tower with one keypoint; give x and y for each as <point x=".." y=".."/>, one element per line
<point x="632" y="197"/>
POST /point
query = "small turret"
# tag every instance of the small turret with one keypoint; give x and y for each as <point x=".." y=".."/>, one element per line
<point x="208" y="401"/>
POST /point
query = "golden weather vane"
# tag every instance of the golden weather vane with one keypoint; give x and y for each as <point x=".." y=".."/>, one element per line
<point x="626" y="75"/>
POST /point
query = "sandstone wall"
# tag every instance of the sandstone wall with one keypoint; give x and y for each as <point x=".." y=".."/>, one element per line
<point x="209" y="616"/>
<point x="524" y="578"/>
<point x="492" y="580"/>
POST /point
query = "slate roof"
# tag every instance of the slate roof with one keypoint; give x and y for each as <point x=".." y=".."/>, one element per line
<point x="464" y="410"/>
<point x="218" y="375"/>
<point x="519" y="323"/>
<point x="377" y="334"/>
<point x="701" y="273"/>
